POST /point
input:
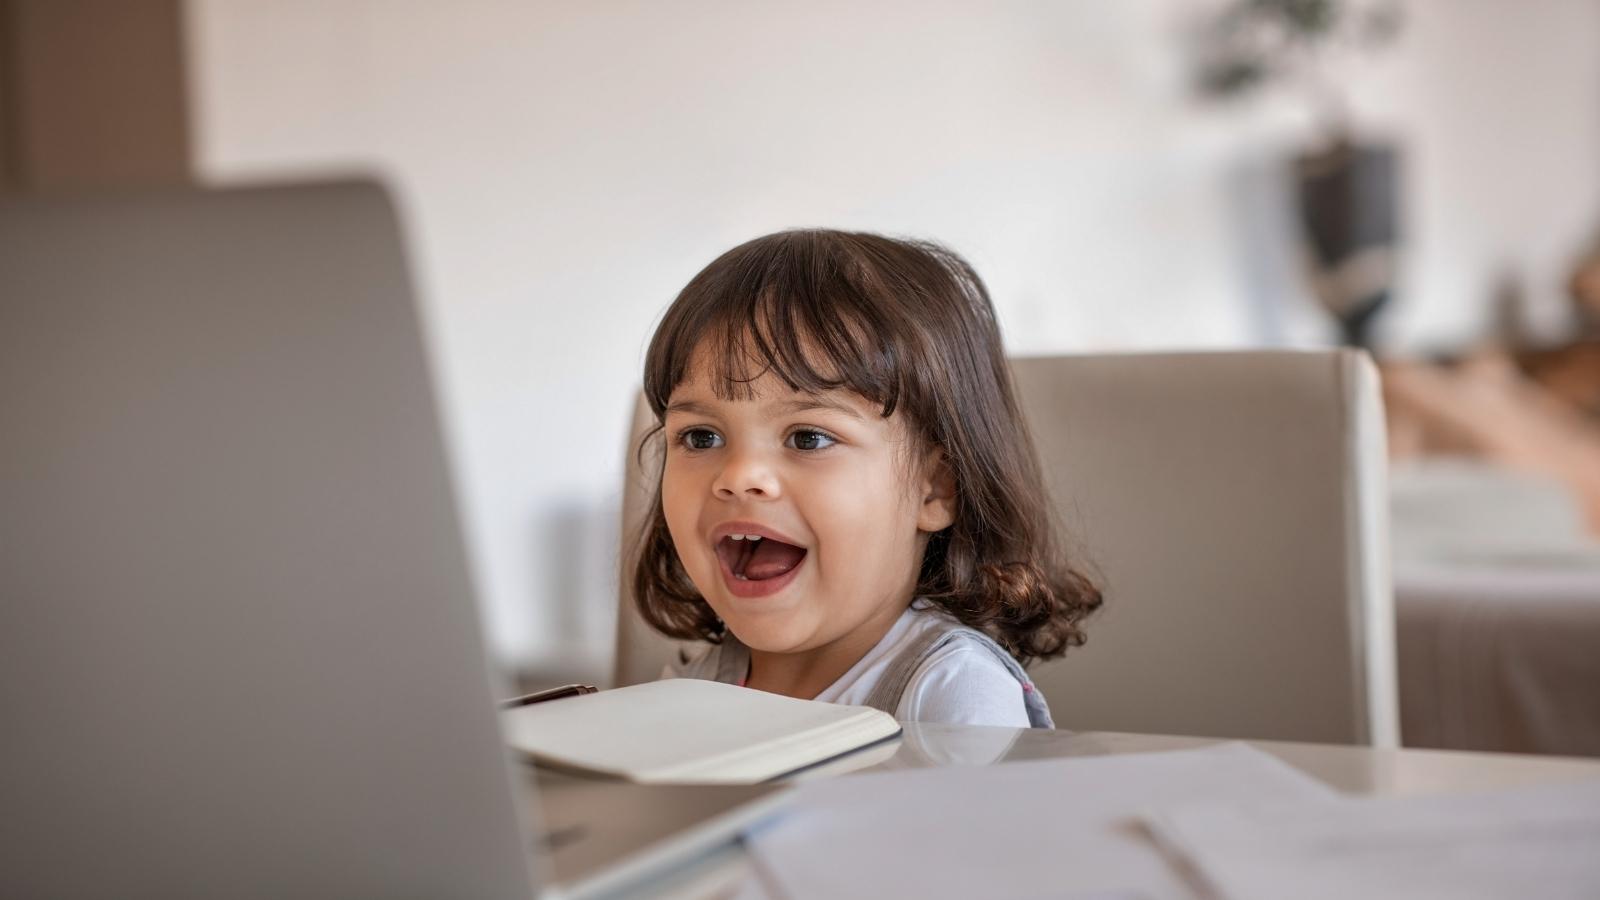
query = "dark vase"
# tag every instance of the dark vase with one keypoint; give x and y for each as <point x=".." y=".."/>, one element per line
<point x="1348" y="198"/>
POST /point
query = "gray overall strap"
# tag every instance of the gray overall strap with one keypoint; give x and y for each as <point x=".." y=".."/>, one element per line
<point x="733" y="660"/>
<point x="727" y="662"/>
<point x="889" y="690"/>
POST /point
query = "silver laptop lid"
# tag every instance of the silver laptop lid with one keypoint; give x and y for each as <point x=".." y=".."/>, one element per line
<point x="240" y="651"/>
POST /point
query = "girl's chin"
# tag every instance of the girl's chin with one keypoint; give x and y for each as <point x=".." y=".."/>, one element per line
<point x="766" y="635"/>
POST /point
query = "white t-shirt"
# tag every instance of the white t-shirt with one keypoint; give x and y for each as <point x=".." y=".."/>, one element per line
<point x="960" y="684"/>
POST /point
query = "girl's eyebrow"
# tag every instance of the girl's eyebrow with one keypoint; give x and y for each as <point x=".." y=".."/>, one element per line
<point x="817" y="402"/>
<point x="688" y="406"/>
<point x="787" y="407"/>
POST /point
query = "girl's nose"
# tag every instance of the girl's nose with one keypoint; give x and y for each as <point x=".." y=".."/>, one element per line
<point x="746" y="475"/>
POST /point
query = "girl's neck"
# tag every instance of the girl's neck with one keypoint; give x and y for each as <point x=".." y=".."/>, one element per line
<point x="807" y="673"/>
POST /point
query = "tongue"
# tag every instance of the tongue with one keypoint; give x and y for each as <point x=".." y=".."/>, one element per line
<point x="770" y="559"/>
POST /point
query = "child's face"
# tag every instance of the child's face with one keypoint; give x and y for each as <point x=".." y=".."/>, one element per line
<point x="843" y="504"/>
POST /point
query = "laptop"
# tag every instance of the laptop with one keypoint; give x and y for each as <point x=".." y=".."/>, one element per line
<point x="239" y="649"/>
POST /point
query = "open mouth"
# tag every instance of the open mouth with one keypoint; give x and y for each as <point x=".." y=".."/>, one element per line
<point x="755" y="558"/>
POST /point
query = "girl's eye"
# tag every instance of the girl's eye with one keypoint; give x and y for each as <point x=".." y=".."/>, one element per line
<point x="809" y="439"/>
<point x="699" y="439"/>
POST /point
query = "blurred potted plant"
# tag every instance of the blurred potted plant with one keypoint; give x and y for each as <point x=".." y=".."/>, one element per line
<point x="1347" y="189"/>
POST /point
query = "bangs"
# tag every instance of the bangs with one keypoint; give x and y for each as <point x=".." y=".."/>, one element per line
<point x="791" y="305"/>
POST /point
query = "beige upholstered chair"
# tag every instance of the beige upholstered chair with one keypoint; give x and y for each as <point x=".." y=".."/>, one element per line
<point x="641" y="652"/>
<point x="1233" y="505"/>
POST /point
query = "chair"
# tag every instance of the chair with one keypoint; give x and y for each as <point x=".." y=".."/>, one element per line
<point x="641" y="651"/>
<point x="1233" y="505"/>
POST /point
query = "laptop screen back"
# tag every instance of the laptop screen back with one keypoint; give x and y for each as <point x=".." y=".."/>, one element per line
<point x="241" y="655"/>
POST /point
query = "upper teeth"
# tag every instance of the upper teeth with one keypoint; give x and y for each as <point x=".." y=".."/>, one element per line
<point x="745" y="537"/>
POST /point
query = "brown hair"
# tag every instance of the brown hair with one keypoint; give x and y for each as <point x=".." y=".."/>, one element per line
<point x="908" y="325"/>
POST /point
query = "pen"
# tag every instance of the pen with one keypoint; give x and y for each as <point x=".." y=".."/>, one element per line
<point x="570" y="690"/>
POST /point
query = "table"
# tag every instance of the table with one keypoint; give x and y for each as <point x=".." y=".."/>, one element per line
<point x="1356" y="770"/>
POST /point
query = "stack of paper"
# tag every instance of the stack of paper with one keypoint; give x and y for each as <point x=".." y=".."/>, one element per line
<point x="1539" y="842"/>
<point x="1062" y="828"/>
<point x="1225" y="822"/>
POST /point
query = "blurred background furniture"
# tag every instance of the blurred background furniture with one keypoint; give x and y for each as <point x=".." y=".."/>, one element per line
<point x="1233" y="504"/>
<point x="1497" y="589"/>
<point x="1496" y="505"/>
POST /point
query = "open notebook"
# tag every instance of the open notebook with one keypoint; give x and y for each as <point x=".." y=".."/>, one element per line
<point x="687" y="730"/>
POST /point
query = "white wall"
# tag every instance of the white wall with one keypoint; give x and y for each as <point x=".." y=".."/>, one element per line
<point x="566" y="167"/>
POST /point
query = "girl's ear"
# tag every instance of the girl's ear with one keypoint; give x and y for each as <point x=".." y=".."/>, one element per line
<point x="938" y="492"/>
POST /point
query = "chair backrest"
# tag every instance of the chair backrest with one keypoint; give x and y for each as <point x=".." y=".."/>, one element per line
<point x="641" y="651"/>
<point x="1233" y="505"/>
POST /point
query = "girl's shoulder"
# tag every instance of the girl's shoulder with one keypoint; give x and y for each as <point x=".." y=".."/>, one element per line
<point x="958" y="675"/>
<point x="962" y="683"/>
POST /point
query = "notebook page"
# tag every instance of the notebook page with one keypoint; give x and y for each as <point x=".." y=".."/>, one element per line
<point x="690" y="730"/>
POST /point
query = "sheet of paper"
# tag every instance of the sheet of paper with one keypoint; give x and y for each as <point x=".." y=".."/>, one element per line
<point x="1059" y="828"/>
<point x="1534" y="842"/>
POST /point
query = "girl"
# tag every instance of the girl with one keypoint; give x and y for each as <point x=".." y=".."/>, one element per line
<point x="850" y="509"/>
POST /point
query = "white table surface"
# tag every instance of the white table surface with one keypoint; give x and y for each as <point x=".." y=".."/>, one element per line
<point x="1355" y="770"/>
